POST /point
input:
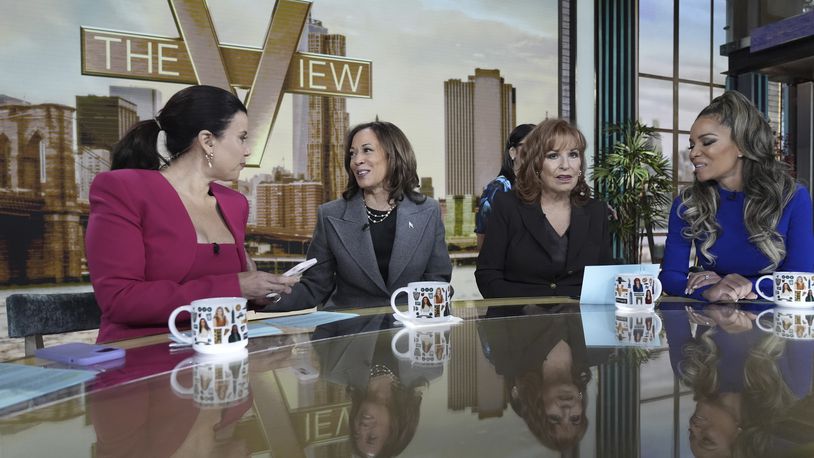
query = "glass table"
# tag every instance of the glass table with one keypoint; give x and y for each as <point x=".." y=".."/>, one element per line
<point x="518" y="377"/>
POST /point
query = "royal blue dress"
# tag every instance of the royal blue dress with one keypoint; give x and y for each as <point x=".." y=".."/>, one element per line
<point x="733" y="250"/>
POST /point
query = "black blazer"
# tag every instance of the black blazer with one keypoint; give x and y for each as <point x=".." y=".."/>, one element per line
<point x="515" y="262"/>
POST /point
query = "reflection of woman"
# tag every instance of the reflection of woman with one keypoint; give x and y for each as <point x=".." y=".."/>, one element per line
<point x="742" y="379"/>
<point x="544" y="232"/>
<point x="147" y="419"/>
<point x="380" y="235"/>
<point x="234" y="334"/>
<point x="385" y="393"/>
<point x="220" y="318"/>
<point x="503" y="182"/>
<point x="744" y="214"/>
<point x="544" y="362"/>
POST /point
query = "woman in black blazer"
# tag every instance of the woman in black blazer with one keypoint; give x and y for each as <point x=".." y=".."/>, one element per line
<point x="542" y="234"/>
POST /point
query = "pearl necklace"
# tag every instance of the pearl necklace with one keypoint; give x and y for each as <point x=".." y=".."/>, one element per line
<point x="376" y="216"/>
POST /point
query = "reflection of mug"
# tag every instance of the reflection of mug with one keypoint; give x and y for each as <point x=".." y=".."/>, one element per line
<point x="218" y="324"/>
<point x="637" y="291"/>
<point x="789" y="323"/>
<point x="217" y="381"/>
<point x="791" y="289"/>
<point x="637" y="328"/>
<point x="429" y="347"/>
<point x="426" y="300"/>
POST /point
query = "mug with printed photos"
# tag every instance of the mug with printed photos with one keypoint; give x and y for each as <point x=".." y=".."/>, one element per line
<point x="791" y="289"/>
<point x="428" y="347"/>
<point x="426" y="300"/>
<point x="219" y="325"/>
<point x="637" y="291"/>
<point x="217" y="381"/>
<point x="641" y="329"/>
<point x="789" y="323"/>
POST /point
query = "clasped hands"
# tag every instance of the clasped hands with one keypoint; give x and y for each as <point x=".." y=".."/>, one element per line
<point x="730" y="288"/>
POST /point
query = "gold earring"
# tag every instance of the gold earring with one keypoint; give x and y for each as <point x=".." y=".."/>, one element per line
<point x="209" y="157"/>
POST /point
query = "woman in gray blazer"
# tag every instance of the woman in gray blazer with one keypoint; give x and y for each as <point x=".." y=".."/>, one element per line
<point x="380" y="235"/>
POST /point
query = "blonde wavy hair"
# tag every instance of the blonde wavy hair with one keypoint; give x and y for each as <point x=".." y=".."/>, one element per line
<point x="767" y="184"/>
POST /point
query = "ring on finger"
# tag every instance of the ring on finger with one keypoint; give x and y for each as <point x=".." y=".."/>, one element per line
<point x="706" y="276"/>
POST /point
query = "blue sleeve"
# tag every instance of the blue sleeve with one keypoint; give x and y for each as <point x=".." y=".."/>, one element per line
<point x="499" y="184"/>
<point x="800" y="235"/>
<point x="676" y="264"/>
<point x="679" y="335"/>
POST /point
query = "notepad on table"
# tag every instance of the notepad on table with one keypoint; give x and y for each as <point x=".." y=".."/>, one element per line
<point x="310" y="320"/>
<point x="597" y="281"/>
<point x="20" y="383"/>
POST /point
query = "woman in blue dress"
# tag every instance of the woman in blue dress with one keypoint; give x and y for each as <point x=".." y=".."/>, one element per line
<point x="744" y="213"/>
<point x="504" y="180"/>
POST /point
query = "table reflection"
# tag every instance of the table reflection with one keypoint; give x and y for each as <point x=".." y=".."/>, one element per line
<point x="156" y="417"/>
<point x="510" y="380"/>
<point x="546" y="368"/>
<point x="385" y="390"/>
<point x="744" y="381"/>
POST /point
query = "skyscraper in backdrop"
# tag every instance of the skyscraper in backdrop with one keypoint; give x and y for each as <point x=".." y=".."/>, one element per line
<point x="479" y="114"/>
<point x="320" y="123"/>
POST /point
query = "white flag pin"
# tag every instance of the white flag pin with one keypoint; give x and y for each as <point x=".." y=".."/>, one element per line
<point x="410" y="223"/>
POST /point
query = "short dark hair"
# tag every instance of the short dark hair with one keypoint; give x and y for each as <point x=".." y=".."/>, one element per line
<point x="402" y="174"/>
<point x="186" y="114"/>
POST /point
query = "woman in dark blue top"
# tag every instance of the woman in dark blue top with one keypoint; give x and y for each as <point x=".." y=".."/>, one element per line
<point x="504" y="180"/>
<point x="744" y="214"/>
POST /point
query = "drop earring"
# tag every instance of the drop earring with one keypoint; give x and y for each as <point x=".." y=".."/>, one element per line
<point x="209" y="157"/>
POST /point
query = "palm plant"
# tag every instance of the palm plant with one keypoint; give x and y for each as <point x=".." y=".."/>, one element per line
<point x="636" y="179"/>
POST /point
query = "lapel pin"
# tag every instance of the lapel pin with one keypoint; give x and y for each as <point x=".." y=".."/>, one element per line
<point x="410" y="223"/>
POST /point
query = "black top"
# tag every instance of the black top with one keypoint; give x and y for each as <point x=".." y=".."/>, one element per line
<point x="383" y="234"/>
<point x="558" y="246"/>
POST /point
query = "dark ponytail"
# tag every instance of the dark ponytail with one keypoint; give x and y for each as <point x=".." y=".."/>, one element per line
<point x="185" y="115"/>
<point x="137" y="149"/>
<point x="515" y="137"/>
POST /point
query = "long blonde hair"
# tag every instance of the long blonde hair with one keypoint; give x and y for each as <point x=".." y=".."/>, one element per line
<point x="766" y="183"/>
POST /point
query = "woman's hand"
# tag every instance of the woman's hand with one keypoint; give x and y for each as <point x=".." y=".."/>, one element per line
<point x="732" y="287"/>
<point x="257" y="284"/>
<point x="700" y="279"/>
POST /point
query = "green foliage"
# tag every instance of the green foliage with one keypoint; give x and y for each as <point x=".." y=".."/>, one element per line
<point x="636" y="179"/>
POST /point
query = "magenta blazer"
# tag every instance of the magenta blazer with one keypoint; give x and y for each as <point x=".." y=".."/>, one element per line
<point x="141" y="244"/>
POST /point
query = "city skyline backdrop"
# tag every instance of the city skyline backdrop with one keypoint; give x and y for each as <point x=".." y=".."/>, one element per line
<point x="414" y="51"/>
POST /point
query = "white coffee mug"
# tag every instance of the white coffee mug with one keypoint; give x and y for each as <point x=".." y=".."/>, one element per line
<point x="427" y="347"/>
<point x="789" y="323"/>
<point x="426" y="300"/>
<point x="636" y="291"/>
<point x="217" y="380"/>
<point x="218" y="325"/>
<point x="640" y="329"/>
<point x="791" y="289"/>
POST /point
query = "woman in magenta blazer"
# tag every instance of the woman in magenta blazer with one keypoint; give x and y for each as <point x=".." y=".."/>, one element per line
<point x="161" y="232"/>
